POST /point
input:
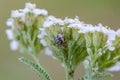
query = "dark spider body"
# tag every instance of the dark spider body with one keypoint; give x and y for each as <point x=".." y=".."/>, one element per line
<point x="59" y="39"/>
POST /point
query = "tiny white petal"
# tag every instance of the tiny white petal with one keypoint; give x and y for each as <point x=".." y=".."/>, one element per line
<point x="30" y="6"/>
<point x="10" y="34"/>
<point x="42" y="34"/>
<point x="67" y="20"/>
<point x="48" y="24"/>
<point x="17" y="14"/>
<point x="110" y="45"/>
<point x="10" y="22"/>
<point x="48" y="52"/>
<point x="111" y="35"/>
<point x="83" y="30"/>
<point x="111" y="48"/>
<point x="14" y="14"/>
<point x="14" y="45"/>
<point x="40" y="12"/>
<point x="51" y="20"/>
<point x="25" y="10"/>
<point x="42" y="41"/>
<point x="118" y="32"/>
<point x="116" y="67"/>
<point x="71" y="21"/>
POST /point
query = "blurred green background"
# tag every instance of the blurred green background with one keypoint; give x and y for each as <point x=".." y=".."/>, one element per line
<point x="106" y="12"/>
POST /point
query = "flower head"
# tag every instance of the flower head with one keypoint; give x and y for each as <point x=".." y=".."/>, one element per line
<point x="24" y="27"/>
<point x="64" y="41"/>
<point x="68" y="40"/>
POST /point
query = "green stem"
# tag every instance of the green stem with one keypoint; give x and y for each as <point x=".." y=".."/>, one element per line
<point x="36" y="60"/>
<point x="90" y="74"/>
<point x="89" y="71"/>
<point x="69" y="74"/>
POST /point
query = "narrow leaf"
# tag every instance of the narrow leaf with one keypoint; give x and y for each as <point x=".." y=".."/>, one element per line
<point x="102" y="75"/>
<point x="38" y="69"/>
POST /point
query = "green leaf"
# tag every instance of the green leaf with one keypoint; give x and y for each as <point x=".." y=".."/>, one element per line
<point x="90" y="52"/>
<point x="38" y="69"/>
<point x="102" y="75"/>
<point x="96" y="40"/>
<point x="88" y="40"/>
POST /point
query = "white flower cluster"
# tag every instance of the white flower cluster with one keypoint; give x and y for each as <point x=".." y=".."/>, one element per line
<point x="51" y="20"/>
<point x="21" y="13"/>
<point x="83" y="28"/>
<point x="28" y="8"/>
<point x="14" y="43"/>
<point x="111" y="34"/>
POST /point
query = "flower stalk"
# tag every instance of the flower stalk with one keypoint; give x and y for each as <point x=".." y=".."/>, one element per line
<point x="69" y="75"/>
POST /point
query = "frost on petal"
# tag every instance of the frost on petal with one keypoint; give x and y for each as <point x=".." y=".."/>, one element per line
<point x="9" y="33"/>
<point x="14" y="45"/>
<point x="48" y="52"/>
<point x="30" y="6"/>
<point x="116" y="67"/>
